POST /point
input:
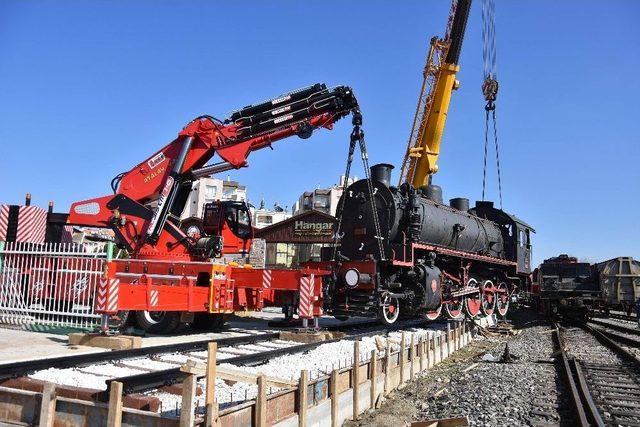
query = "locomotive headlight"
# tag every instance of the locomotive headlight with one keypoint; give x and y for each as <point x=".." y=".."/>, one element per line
<point x="352" y="277"/>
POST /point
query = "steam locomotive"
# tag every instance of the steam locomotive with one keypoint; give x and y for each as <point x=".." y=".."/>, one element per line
<point x="416" y="256"/>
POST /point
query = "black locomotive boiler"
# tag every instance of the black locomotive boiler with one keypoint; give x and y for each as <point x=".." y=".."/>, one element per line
<point x="415" y="255"/>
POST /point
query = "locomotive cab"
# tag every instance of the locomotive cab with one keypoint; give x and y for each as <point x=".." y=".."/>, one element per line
<point x="515" y="232"/>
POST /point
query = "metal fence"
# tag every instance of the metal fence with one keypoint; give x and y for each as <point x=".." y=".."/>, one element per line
<point x="50" y="284"/>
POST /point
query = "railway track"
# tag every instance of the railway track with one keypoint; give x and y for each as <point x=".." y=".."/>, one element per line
<point x="147" y="381"/>
<point x="622" y="316"/>
<point x="19" y="369"/>
<point x="621" y="333"/>
<point x="603" y="376"/>
<point x="240" y="337"/>
<point x="151" y="368"/>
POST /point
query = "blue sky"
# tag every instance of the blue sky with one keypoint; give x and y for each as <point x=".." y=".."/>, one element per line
<point x="89" y="89"/>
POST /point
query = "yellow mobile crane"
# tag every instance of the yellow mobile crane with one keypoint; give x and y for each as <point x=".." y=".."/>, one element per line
<point x="420" y="161"/>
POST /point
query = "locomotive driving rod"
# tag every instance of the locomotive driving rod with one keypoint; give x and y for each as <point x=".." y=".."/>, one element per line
<point x="394" y="295"/>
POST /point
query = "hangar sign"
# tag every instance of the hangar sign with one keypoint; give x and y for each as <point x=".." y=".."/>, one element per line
<point x="309" y="228"/>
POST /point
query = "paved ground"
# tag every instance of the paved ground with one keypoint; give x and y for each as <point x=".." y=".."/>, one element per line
<point x="18" y="344"/>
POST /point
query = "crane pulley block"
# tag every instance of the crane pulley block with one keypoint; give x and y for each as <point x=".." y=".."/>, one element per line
<point x="416" y="152"/>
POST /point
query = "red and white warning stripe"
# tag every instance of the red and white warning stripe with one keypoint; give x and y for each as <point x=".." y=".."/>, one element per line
<point x="112" y="302"/>
<point x="107" y="295"/>
<point x="153" y="297"/>
<point x="101" y="295"/>
<point x="305" y="306"/>
<point x="266" y="279"/>
<point x="32" y="224"/>
<point x="4" y="221"/>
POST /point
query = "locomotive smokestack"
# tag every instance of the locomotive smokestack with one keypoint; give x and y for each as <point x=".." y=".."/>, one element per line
<point x="432" y="192"/>
<point x="382" y="172"/>
<point x="459" y="203"/>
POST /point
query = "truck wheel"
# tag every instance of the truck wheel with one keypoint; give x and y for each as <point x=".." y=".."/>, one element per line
<point x="208" y="321"/>
<point x="120" y="320"/>
<point x="158" y="322"/>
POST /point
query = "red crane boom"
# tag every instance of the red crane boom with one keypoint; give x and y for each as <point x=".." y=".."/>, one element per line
<point x="148" y="199"/>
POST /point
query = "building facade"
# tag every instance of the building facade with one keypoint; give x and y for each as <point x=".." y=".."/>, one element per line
<point x="262" y="217"/>
<point x="297" y="239"/>
<point x="322" y="199"/>
<point x="206" y="190"/>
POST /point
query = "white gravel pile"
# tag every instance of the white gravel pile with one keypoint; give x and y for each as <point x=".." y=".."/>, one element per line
<point x="146" y="363"/>
<point x="75" y="378"/>
<point x="318" y="361"/>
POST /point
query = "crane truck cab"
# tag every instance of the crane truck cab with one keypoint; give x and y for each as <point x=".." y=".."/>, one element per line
<point x="224" y="229"/>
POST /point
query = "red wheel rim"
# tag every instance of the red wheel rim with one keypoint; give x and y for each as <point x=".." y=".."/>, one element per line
<point x="488" y="298"/>
<point x="454" y="308"/>
<point x="433" y="315"/>
<point x="503" y="300"/>
<point x="472" y="302"/>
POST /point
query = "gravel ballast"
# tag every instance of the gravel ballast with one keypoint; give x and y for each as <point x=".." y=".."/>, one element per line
<point x="489" y="393"/>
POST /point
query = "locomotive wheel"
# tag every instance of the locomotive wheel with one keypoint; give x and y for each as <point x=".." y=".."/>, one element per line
<point x="158" y="322"/>
<point x="472" y="302"/>
<point x="488" y="298"/>
<point x="502" y="301"/>
<point x="454" y="308"/>
<point x="389" y="311"/>
<point x="433" y="315"/>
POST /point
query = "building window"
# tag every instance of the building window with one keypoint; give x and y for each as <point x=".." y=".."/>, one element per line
<point x="228" y="193"/>
<point x="307" y="203"/>
<point x="265" y="219"/>
<point x="321" y="202"/>
<point x="284" y="254"/>
<point x="291" y="255"/>
<point x="210" y="192"/>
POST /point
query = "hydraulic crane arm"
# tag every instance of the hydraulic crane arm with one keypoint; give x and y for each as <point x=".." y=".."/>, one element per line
<point x="164" y="179"/>
<point x="423" y="149"/>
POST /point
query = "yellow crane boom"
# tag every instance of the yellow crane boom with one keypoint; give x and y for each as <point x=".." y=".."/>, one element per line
<point x="439" y="81"/>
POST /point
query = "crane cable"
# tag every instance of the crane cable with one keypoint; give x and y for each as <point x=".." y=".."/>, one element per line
<point x="357" y="136"/>
<point x="490" y="88"/>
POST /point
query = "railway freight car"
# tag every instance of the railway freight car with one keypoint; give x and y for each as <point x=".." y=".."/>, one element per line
<point x="563" y="284"/>
<point x="619" y="282"/>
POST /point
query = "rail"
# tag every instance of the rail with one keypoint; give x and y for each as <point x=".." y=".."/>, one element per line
<point x="140" y="383"/>
<point x="581" y="397"/>
<point x="18" y="369"/>
<point x="576" y="398"/>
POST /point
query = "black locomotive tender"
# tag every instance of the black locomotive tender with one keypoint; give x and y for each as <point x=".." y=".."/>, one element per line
<point x="430" y="256"/>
